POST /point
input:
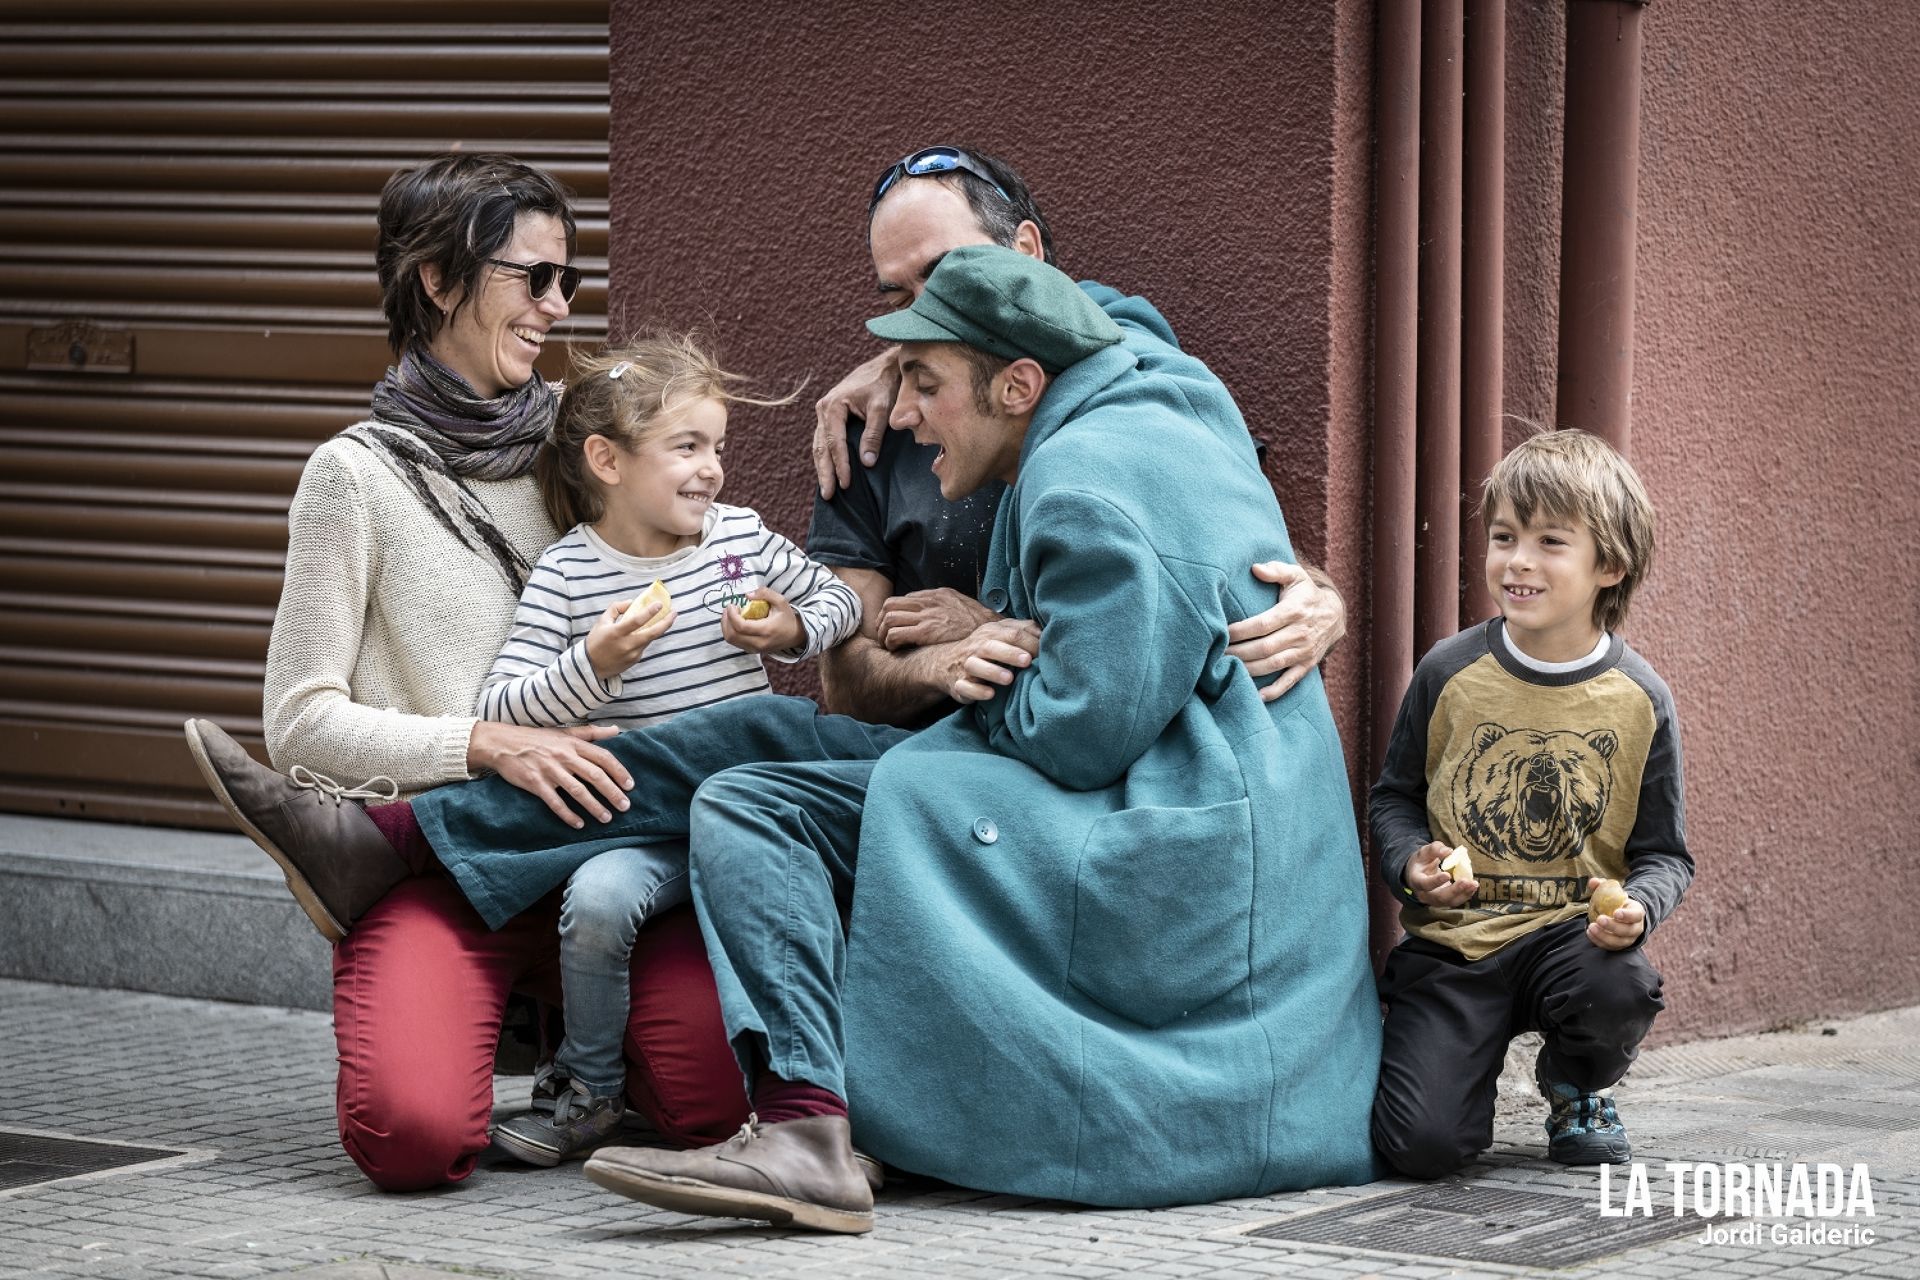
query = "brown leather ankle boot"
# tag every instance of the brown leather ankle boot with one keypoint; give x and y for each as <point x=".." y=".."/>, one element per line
<point x="797" y="1172"/>
<point x="335" y="859"/>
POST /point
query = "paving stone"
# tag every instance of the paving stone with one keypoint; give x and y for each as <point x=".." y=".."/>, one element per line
<point x="250" y="1091"/>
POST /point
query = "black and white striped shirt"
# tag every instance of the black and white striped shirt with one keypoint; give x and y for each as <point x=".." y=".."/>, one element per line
<point x="544" y="678"/>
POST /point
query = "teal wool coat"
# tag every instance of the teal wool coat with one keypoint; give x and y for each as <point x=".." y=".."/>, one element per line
<point x="1109" y="929"/>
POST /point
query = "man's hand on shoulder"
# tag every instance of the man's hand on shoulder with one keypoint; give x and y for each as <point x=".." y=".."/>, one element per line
<point x="939" y="616"/>
<point x="1294" y="635"/>
<point x="867" y="393"/>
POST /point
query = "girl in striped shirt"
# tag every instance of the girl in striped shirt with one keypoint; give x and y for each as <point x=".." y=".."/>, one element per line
<point x="633" y="472"/>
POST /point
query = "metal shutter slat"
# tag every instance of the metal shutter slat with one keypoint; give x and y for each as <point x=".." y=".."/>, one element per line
<point x="154" y="575"/>
<point x="202" y="175"/>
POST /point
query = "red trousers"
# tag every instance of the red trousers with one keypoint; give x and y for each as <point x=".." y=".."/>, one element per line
<point x="419" y="989"/>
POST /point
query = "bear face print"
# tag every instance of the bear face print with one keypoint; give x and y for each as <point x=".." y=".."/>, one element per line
<point x="1533" y="795"/>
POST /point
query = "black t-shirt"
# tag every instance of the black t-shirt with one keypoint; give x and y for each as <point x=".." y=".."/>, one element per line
<point x="892" y="520"/>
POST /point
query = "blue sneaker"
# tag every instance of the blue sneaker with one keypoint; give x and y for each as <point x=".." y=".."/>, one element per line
<point x="1582" y="1128"/>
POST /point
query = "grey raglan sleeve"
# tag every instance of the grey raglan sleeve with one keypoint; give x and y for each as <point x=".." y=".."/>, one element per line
<point x="1659" y="868"/>
<point x="1397" y="806"/>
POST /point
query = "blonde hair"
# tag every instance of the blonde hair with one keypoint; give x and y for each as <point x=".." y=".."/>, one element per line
<point x="1571" y="475"/>
<point x="627" y="394"/>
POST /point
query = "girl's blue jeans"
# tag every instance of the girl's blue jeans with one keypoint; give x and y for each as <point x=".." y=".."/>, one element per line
<point x="607" y="900"/>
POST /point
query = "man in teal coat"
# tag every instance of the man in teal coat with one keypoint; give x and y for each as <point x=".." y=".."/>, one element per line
<point x="1108" y="937"/>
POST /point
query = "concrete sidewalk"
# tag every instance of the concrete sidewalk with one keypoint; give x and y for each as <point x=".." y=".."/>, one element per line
<point x="244" y="1177"/>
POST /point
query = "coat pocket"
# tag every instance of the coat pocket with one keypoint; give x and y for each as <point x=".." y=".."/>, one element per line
<point x="1162" y="910"/>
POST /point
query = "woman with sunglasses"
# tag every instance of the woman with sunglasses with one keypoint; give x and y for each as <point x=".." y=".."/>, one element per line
<point x="408" y="542"/>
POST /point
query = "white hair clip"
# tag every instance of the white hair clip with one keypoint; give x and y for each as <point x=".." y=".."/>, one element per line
<point x="619" y="369"/>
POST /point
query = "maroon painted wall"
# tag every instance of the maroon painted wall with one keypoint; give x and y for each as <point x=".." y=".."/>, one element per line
<point x="1778" y="304"/>
<point x="1218" y="160"/>
<point x="1208" y="158"/>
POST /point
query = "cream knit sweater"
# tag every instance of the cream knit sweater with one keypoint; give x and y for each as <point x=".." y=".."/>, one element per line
<point x="387" y="625"/>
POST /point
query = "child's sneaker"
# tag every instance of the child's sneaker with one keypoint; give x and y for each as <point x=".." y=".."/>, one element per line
<point x="566" y="1121"/>
<point x="1582" y="1128"/>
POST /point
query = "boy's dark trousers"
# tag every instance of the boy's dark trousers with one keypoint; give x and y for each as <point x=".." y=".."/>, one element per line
<point x="1449" y="1020"/>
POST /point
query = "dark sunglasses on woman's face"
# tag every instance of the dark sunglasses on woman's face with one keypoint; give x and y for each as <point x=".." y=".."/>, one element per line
<point x="541" y="275"/>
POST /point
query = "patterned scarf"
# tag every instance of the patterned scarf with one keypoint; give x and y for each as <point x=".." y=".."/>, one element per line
<point x="446" y="434"/>
<point x="477" y="438"/>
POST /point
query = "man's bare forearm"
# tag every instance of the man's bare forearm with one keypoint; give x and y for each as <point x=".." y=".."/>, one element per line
<point x="867" y="681"/>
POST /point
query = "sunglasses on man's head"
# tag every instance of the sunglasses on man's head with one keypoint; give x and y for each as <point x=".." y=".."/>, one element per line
<point x="932" y="160"/>
<point x="541" y="275"/>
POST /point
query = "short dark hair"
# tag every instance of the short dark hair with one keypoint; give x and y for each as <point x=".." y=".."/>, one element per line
<point x="453" y="212"/>
<point x="999" y="216"/>
<point x="984" y="367"/>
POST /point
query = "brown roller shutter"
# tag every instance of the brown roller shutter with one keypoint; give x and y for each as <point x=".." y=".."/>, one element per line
<point x="188" y="305"/>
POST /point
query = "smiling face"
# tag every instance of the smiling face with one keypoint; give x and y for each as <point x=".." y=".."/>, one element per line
<point x="1546" y="575"/>
<point x="916" y="222"/>
<point x="657" y="494"/>
<point x="938" y="404"/>
<point x="493" y="340"/>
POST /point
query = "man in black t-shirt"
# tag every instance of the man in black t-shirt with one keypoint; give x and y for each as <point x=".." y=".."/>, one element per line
<point x="890" y="535"/>
<point x="892" y="520"/>
<point x="916" y="559"/>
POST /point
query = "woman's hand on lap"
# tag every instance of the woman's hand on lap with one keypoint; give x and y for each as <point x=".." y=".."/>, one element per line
<point x="550" y="762"/>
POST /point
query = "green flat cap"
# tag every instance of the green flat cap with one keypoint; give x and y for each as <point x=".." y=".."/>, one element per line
<point x="1006" y="304"/>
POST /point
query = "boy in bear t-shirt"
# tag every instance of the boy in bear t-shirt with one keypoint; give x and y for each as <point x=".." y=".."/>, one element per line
<point x="1548" y="750"/>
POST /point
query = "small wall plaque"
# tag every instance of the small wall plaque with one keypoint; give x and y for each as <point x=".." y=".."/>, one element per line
<point x="80" y="346"/>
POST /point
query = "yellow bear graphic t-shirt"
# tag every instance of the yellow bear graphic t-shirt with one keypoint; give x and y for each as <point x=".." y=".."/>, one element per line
<point x="1546" y="778"/>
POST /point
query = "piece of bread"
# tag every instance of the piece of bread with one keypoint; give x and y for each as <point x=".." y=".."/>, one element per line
<point x="655" y="594"/>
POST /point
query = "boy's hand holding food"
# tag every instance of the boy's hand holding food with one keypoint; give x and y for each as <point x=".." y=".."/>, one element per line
<point x="1434" y="884"/>
<point x="1616" y="921"/>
